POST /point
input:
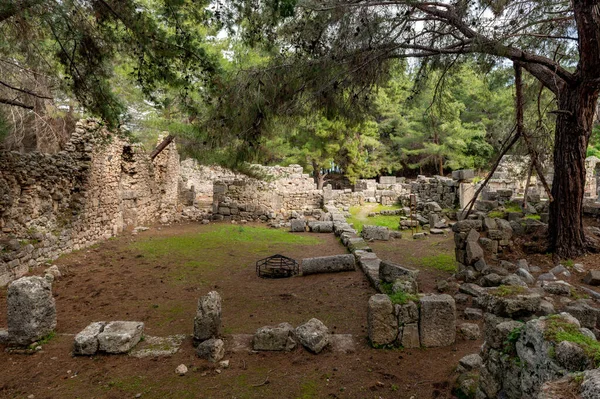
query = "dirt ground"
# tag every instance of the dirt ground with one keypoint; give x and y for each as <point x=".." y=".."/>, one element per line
<point x="134" y="278"/>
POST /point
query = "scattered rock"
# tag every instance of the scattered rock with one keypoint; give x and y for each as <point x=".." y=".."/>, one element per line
<point x="470" y="362"/>
<point x="212" y="350"/>
<point x="469" y="331"/>
<point x="592" y="277"/>
<point x="313" y="335"/>
<point x="473" y="314"/>
<point x="181" y="370"/>
<point x="558" y="288"/>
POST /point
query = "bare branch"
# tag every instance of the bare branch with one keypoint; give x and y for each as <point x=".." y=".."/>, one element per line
<point x="15" y="103"/>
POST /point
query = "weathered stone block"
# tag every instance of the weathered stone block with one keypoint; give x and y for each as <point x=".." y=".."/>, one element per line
<point x="212" y="350"/>
<point x="375" y="233"/>
<point x="438" y="320"/>
<point x="120" y="336"/>
<point x="207" y="323"/>
<point x="390" y="272"/>
<point x="274" y="338"/>
<point x="313" y="335"/>
<point x="297" y="225"/>
<point x="86" y="342"/>
<point x="410" y="336"/>
<point x="382" y="321"/>
<point x="31" y="310"/>
<point x="592" y="277"/>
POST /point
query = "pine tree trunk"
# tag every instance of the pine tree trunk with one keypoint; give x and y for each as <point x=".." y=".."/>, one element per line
<point x="318" y="176"/>
<point x="573" y="128"/>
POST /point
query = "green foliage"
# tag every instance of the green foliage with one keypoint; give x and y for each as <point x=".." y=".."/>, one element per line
<point x="558" y="330"/>
<point x="218" y="236"/>
<point x="399" y="297"/>
<point x="496" y="214"/>
<point x="443" y="262"/>
<point x="508" y="290"/>
<point x="512" y="207"/>
<point x="359" y="217"/>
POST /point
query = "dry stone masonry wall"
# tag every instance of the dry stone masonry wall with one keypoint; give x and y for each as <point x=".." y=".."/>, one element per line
<point x="99" y="185"/>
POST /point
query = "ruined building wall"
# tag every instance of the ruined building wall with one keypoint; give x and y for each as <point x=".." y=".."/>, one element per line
<point x="201" y="179"/>
<point x="285" y="192"/>
<point x="96" y="187"/>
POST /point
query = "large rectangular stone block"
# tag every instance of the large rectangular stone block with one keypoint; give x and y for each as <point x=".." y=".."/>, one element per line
<point x="438" y="320"/>
<point x="31" y="310"/>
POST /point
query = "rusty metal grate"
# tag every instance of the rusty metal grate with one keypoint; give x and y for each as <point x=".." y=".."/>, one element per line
<point x="277" y="266"/>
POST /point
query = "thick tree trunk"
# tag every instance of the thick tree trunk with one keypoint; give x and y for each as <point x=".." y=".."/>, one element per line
<point x="318" y="176"/>
<point x="573" y="128"/>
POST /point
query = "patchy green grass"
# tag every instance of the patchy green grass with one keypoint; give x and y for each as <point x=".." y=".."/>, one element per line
<point x="397" y="298"/>
<point x="558" y="330"/>
<point x="512" y="207"/>
<point x="359" y="217"/>
<point x="497" y="215"/>
<point x="443" y="262"/>
<point x="187" y="253"/>
<point x="533" y="216"/>
<point x="508" y="290"/>
<point x="258" y="240"/>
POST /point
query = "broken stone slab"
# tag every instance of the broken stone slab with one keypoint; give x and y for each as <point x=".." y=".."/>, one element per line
<point x="390" y="272"/>
<point x="212" y="350"/>
<point x="274" y="338"/>
<point x="436" y="231"/>
<point x="546" y="277"/>
<point x="378" y="233"/>
<point x="592" y="278"/>
<point x="154" y="347"/>
<point x="473" y="314"/>
<point x="410" y="336"/>
<point x="356" y="243"/>
<point x="558" y="288"/>
<point x="86" y="341"/>
<point x="120" y="336"/>
<point x="438" y="320"/>
<point x="511" y="301"/>
<point x="328" y="264"/>
<point x="297" y="225"/>
<point x="472" y="289"/>
<point x="407" y="313"/>
<point x="313" y="335"/>
<point x="207" y="323"/>
<point x="382" y="320"/>
<point x="31" y="310"/>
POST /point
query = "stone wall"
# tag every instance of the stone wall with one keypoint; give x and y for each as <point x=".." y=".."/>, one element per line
<point x="99" y="185"/>
<point x="201" y="178"/>
<point x="284" y="193"/>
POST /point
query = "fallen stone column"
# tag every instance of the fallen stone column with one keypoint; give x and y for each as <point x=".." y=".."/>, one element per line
<point x="328" y="264"/>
